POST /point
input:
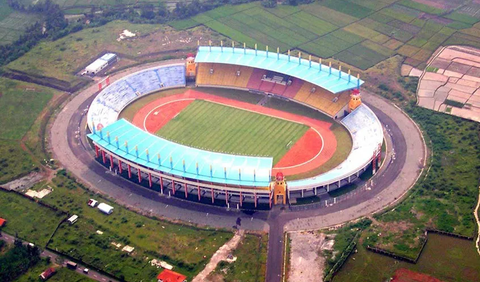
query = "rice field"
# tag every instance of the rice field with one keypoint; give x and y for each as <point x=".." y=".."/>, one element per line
<point x="342" y="28"/>
<point x="226" y="129"/>
<point x="13" y="23"/>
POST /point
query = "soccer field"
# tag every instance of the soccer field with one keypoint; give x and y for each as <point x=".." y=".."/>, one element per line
<point x="229" y="130"/>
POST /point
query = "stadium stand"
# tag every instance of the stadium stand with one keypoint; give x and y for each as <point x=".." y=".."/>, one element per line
<point x="223" y="75"/>
<point x="367" y="136"/>
<point x="328" y="102"/>
<point x="133" y="144"/>
<point x="107" y="105"/>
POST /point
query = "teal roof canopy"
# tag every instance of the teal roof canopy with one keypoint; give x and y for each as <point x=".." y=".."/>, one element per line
<point x="160" y="154"/>
<point x="321" y="75"/>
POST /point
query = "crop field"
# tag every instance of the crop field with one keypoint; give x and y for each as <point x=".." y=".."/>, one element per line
<point x="13" y="23"/>
<point x="28" y="219"/>
<point x="187" y="248"/>
<point x="353" y="31"/>
<point x="226" y="129"/>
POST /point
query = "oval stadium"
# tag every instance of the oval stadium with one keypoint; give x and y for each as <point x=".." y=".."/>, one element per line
<point x="236" y="127"/>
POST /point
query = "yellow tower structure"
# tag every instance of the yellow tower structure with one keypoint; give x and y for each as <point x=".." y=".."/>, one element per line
<point x="279" y="187"/>
<point x="355" y="100"/>
<point x="190" y="67"/>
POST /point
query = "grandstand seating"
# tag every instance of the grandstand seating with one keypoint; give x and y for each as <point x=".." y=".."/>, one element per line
<point x="367" y="135"/>
<point x="107" y="105"/>
<point x="304" y="92"/>
<point x="326" y="101"/>
<point x="223" y="74"/>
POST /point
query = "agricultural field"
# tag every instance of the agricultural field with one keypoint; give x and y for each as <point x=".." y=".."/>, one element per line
<point x="187" y="248"/>
<point x="13" y="23"/>
<point x="20" y="105"/>
<point x="359" y="33"/>
<point x="29" y="220"/>
<point x="226" y="129"/>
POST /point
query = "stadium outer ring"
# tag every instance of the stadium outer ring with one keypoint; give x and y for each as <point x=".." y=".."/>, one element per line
<point x="218" y="194"/>
<point x="76" y="156"/>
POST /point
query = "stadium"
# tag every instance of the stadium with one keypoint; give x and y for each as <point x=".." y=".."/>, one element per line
<point x="229" y="150"/>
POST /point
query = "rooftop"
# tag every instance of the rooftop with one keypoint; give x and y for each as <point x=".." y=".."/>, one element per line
<point x="171" y="276"/>
<point x="321" y="75"/>
<point x="131" y="143"/>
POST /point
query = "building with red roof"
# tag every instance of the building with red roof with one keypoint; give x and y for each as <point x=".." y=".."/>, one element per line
<point x="47" y="273"/>
<point x="2" y="222"/>
<point x="171" y="276"/>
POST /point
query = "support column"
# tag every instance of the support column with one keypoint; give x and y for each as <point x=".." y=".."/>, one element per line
<point x="161" y="185"/>
<point x="96" y="151"/>
<point x="111" y="161"/>
<point x="139" y="175"/>
<point x="241" y="198"/>
<point x="129" y="171"/>
<point x="198" y="191"/>
<point x="150" y="179"/>
<point x="103" y="156"/>
<point x="226" y="197"/>
<point x="270" y="199"/>
<point x="255" y="198"/>
<point x="213" y="200"/>
<point x="119" y="166"/>
<point x="173" y="186"/>
<point x="186" y="191"/>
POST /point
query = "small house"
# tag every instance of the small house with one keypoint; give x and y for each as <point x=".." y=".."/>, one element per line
<point x="107" y="209"/>
<point x="47" y="273"/>
<point x="171" y="276"/>
<point x="2" y="222"/>
<point x="72" y="219"/>
<point x="92" y="203"/>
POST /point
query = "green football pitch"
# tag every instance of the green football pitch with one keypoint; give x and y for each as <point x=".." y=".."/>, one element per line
<point x="225" y="129"/>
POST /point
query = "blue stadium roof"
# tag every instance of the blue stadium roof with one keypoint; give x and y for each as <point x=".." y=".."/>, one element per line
<point x="328" y="78"/>
<point x="170" y="157"/>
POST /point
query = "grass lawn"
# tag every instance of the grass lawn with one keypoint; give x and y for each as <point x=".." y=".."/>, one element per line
<point x="445" y="199"/>
<point x="31" y="221"/>
<point x="226" y="129"/>
<point x="182" y="246"/>
<point x="14" y="162"/>
<point x="250" y="265"/>
<point x="20" y="104"/>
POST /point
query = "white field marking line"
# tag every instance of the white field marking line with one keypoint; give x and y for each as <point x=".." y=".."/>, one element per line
<point x="310" y="160"/>
<point x="159" y="106"/>
<point x="475" y="213"/>
<point x="272" y="116"/>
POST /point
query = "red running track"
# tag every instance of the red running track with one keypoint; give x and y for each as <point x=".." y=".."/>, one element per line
<point x="312" y="150"/>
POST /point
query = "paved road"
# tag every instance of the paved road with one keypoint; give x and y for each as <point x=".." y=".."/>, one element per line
<point x="390" y="183"/>
<point x="55" y="257"/>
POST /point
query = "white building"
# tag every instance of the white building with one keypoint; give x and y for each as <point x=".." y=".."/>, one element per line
<point x="73" y="219"/>
<point x="107" y="209"/>
<point x="101" y="63"/>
